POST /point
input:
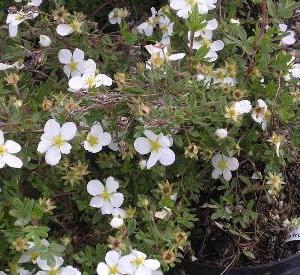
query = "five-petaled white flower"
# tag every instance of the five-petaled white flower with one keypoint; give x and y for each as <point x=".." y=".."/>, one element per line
<point x="160" y="55"/>
<point x="49" y="270"/>
<point x="289" y="39"/>
<point x="54" y="141"/>
<point x="32" y="254"/>
<point x="158" y="146"/>
<point x="96" y="139"/>
<point x="136" y="263"/>
<point x="74" y="63"/>
<point x="261" y="114"/>
<point x="111" y="265"/>
<point x="295" y="70"/>
<point x="105" y="196"/>
<point x="223" y="166"/>
<point x="7" y="150"/>
<point x="185" y="7"/>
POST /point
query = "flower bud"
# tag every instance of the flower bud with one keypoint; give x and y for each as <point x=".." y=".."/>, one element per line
<point x="45" y="40"/>
<point x="221" y="133"/>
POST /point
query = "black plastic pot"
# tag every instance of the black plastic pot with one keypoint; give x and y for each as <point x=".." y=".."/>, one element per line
<point x="289" y="266"/>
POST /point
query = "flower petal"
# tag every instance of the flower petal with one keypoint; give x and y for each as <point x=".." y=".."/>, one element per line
<point x="64" y="29"/>
<point x="142" y="145"/>
<point x="65" y="148"/>
<point x="53" y="156"/>
<point x="117" y="199"/>
<point x="152" y="160"/>
<point x="105" y="138"/>
<point x="152" y="264"/>
<point x="96" y="202"/>
<point x="233" y="164"/>
<point x="111" y="184"/>
<point x="166" y="156"/>
<point x="64" y="56"/>
<point x="102" y="269"/>
<point x="68" y="130"/>
<point x="112" y="258"/>
<point x="216" y="173"/>
<point x="43" y="146"/>
<point x="52" y="128"/>
<point x="12" y="161"/>
<point x="76" y="83"/>
<point x="78" y="55"/>
<point x="12" y="147"/>
<point x="95" y="187"/>
<point x="227" y="175"/>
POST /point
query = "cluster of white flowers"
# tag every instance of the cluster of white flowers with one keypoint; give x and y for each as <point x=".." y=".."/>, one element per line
<point x="204" y="38"/>
<point x="82" y="72"/>
<point x="136" y="263"/>
<point x="162" y="21"/>
<point x="15" y="18"/>
<point x="32" y="255"/>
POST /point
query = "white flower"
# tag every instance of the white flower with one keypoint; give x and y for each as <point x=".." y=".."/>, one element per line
<point x="32" y="254"/>
<point x="260" y="113"/>
<point x="136" y="263"/>
<point x="116" y="222"/>
<point x="243" y="106"/>
<point x="204" y="39"/>
<point x="166" y="27"/>
<point x="7" y="150"/>
<point x="147" y="27"/>
<point x="54" y="141"/>
<point x="289" y="39"/>
<point x="88" y="81"/>
<point x="96" y="139"/>
<point x="223" y="166"/>
<point x="111" y="265"/>
<point x="49" y="270"/>
<point x="158" y="146"/>
<point x="184" y="7"/>
<point x="116" y="15"/>
<point x="15" y="19"/>
<point x="160" y="55"/>
<point x="105" y="196"/>
<point x="70" y="270"/>
<point x="295" y="70"/>
<point x="45" y="40"/>
<point x="163" y="214"/>
<point x="74" y="63"/>
<point x="221" y="133"/>
<point x="235" y="21"/>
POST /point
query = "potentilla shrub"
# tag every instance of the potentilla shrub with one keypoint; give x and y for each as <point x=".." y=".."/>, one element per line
<point x="109" y="141"/>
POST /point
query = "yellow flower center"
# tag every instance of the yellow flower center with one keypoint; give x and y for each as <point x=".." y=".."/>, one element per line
<point x="58" y="141"/>
<point x="73" y="65"/>
<point x="3" y="150"/>
<point x="138" y="261"/>
<point x="53" y="272"/>
<point x="222" y="165"/>
<point x="113" y="270"/>
<point x="105" y="195"/>
<point x="155" y="146"/>
<point x="34" y="256"/>
<point x="90" y="81"/>
<point x="93" y="140"/>
<point x="157" y="60"/>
